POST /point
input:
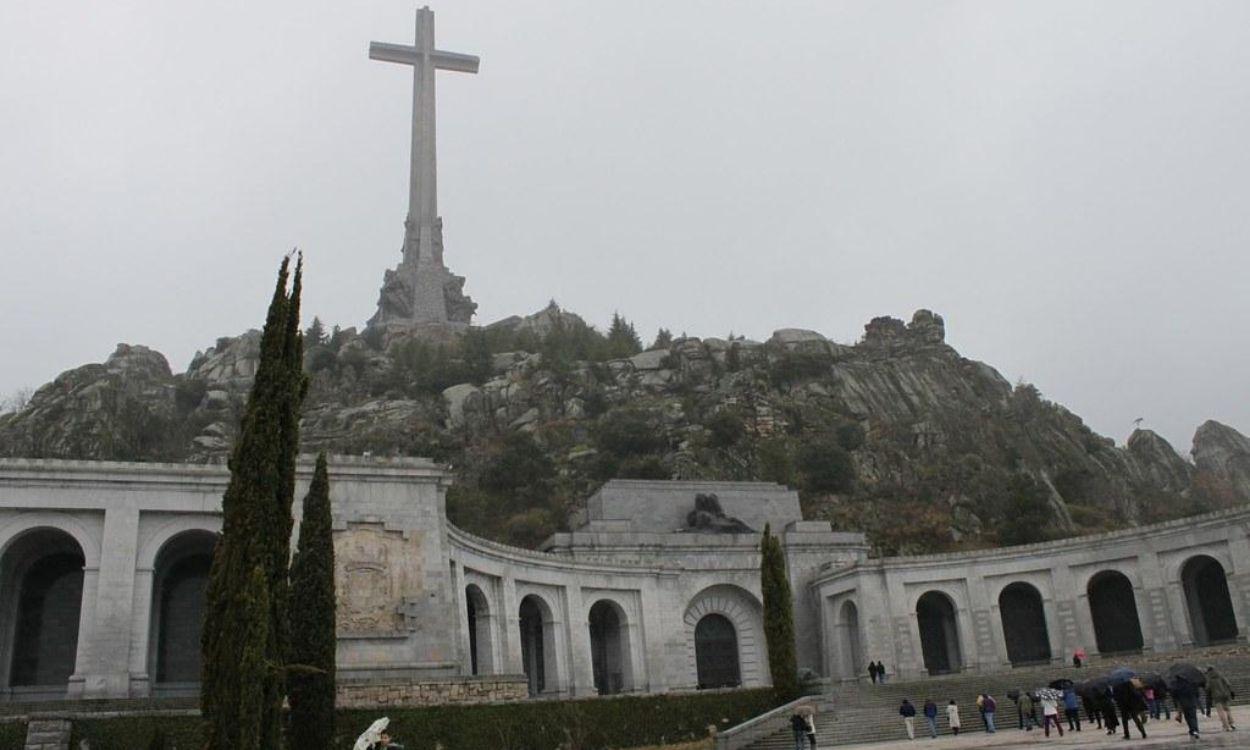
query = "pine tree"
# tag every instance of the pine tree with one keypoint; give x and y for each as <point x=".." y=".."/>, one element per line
<point x="663" y="339"/>
<point x="623" y="340"/>
<point x="245" y="633"/>
<point x="778" y="617"/>
<point x="311" y="681"/>
<point x="316" y="333"/>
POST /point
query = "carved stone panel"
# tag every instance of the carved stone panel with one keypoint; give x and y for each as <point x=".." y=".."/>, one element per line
<point x="375" y="570"/>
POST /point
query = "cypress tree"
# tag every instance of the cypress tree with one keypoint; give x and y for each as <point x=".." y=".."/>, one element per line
<point x="778" y="617"/>
<point x="243" y="684"/>
<point x="311" y="682"/>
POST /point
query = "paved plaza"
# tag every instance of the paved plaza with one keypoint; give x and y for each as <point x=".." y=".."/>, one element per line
<point x="1161" y="735"/>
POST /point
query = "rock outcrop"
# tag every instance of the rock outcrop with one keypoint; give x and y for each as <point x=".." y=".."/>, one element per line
<point x="897" y="434"/>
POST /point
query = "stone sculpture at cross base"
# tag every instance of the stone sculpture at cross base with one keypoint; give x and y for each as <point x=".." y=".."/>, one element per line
<point x="421" y="296"/>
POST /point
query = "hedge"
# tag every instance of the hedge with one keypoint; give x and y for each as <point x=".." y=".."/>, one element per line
<point x="12" y="735"/>
<point x="591" y="724"/>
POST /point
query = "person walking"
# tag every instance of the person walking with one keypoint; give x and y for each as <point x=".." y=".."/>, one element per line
<point x="1220" y="693"/>
<point x="908" y="712"/>
<point x="952" y="716"/>
<point x="1072" y="709"/>
<point x="1078" y="656"/>
<point x="990" y="707"/>
<point x="1131" y="707"/>
<point x="1028" y="712"/>
<point x="1050" y="713"/>
<point x="1186" y="696"/>
<point x="872" y="671"/>
<point x="930" y="716"/>
<point x="881" y="672"/>
<point x="803" y="725"/>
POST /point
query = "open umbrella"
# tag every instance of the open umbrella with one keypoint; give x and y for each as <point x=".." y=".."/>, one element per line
<point x="1153" y="680"/>
<point x="1063" y="683"/>
<point x="1049" y="694"/>
<point x="1183" y="670"/>
<point x="372" y="735"/>
<point x="1120" y="675"/>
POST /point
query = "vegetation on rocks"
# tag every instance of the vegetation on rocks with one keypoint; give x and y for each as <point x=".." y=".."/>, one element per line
<point x="896" y="435"/>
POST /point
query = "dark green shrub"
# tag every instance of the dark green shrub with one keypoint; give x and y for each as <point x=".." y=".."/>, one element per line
<point x="825" y="466"/>
<point x="12" y="735"/>
<point x="850" y="436"/>
<point x="725" y="428"/>
<point x="599" y="723"/>
<point x="628" y="433"/>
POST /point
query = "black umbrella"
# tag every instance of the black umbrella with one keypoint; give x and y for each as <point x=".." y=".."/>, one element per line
<point x="1121" y="675"/>
<point x="1063" y="683"/>
<point x="1153" y="680"/>
<point x="1183" y="670"/>
<point x="1096" y="686"/>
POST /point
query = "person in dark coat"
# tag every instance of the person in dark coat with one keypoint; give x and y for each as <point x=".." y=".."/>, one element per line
<point x="1186" y="696"/>
<point x="872" y="671"/>
<point x="1106" y="707"/>
<point x="930" y="716"/>
<point x="908" y="712"/>
<point x="1131" y="705"/>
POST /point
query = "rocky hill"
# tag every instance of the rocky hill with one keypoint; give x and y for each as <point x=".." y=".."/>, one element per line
<point x="897" y="434"/>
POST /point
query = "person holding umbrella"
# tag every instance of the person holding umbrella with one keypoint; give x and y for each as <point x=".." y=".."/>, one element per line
<point x="1050" y="709"/>
<point x="1072" y="708"/>
<point x="1186" y="694"/>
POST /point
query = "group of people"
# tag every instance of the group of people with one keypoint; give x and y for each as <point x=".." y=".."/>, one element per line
<point x="1111" y="703"/>
<point x="908" y="712"/>
<point x="876" y="672"/>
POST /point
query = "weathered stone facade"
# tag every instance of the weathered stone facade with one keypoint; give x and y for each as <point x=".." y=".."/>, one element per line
<point x="101" y="564"/>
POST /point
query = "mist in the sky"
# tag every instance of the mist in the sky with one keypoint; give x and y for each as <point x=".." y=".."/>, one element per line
<point x="1067" y="183"/>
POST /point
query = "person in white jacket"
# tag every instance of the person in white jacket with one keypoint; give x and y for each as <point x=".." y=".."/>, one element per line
<point x="952" y="716"/>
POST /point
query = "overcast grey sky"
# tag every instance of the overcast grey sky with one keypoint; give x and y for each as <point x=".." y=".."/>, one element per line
<point x="1068" y="183"/>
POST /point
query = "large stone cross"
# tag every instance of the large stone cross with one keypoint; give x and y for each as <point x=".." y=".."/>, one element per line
<point x="422" y="181"/>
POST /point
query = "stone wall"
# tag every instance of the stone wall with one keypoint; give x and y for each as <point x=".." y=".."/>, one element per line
<point x="410" y="693"/>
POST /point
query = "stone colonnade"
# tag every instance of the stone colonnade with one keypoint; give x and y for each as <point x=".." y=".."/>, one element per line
<point x="1157" y="588"/>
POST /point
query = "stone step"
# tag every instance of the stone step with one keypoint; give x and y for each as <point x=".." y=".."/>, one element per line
<point x="48" y="734"/>
<point x="856" y="713"/>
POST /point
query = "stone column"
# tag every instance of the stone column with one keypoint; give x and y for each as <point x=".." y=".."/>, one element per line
<point x="1152" y="604"/>
<point x="104" y="644"/>
<point x="581" y="676"/>
<point x="460" y="601"/>
<point x="140" y="644"/>
<point x="511" y="620"/>
<point x="984" y="655"/>
<point x="1238" y="576"/>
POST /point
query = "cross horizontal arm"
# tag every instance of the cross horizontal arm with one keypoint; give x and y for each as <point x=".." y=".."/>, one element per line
<point x="400" y="53"/>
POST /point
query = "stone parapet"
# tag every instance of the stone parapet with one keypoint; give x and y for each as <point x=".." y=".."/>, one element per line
<point x="411" y="693"/>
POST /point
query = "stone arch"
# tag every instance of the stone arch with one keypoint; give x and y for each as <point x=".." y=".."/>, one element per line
<point x="481" y="631"/>
<point x="1113" y="609"/>
<point x="1207" y="600"/>
<point x="1023" y="617"/>
<point x="41" y="593"/>
<point x="850" y="639"/>
<point x="744" y="613"/>
<point x="938" y="623"/>
<point x="180" y="578"/>
<point x="19" y="525"/>
<point x="610" y="647"/>
<point x="538" y="644"/>
<point x="157" y="541"/>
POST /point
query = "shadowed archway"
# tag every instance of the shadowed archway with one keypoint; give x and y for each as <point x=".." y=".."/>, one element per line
<point x="41" y="575"/>
<point x="1207" y="600"/>
<point x="716" y="652"/>
<point x="180" y="579"/>
<point x="609" y="648"/>
<point x="1024" y="624"/>
<point x="939" y="633"/>
<point x="1113" y="608"/>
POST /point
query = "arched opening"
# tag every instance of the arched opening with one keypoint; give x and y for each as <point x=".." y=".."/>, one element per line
<point x="716" y="652"/>
<point x="538" y="644"/>
<point x="1206" y="598"/>
<point x="1113" y="608"/>
<point x="850" y="645"/>
<point x="481" y="642"/>
<point x="939" y="633"/>
<point x="1024" y="624"/>
<point x="180" y="578"/>
<point x="609" y="648"/>
<point x="41" y="575"/>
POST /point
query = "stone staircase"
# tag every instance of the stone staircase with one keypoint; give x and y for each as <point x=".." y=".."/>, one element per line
<point x="48" y="734"/>
<point x="863" y="712"/>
